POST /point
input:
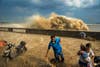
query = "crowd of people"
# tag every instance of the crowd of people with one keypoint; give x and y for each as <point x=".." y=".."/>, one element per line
<point x="86" y="54"/>
<point x="9" y="53"/>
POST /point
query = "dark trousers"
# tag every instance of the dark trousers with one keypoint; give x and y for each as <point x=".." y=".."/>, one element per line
<point x="82" y="64"/>
<point x="58" y="56"/>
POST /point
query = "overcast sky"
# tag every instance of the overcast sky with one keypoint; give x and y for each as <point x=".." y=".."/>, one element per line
<point x="19" y="10"/>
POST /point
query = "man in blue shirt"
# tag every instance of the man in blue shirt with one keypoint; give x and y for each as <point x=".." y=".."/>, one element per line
<point x="55" y="44"/>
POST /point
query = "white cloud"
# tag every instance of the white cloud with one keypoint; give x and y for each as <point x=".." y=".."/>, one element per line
<point x="80" y="3"/>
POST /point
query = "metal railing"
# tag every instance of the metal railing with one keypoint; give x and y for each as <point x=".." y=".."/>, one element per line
<point x="50" y="32"/>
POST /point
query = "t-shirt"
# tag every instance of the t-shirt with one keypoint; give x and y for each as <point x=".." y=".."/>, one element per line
<point x="83" y="56"/>
<point x="56" y="46"/>
<point x="91" y="53"/>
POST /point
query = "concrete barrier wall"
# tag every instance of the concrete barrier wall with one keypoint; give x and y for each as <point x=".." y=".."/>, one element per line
<point x="95" y="35"/>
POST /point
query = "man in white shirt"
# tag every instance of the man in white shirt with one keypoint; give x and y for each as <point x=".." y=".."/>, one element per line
<point x="90" y="52"/>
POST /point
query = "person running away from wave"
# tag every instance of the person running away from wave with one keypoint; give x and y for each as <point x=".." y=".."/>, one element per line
<point x="85" y="60"/>
<point x="55" y="44"/>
